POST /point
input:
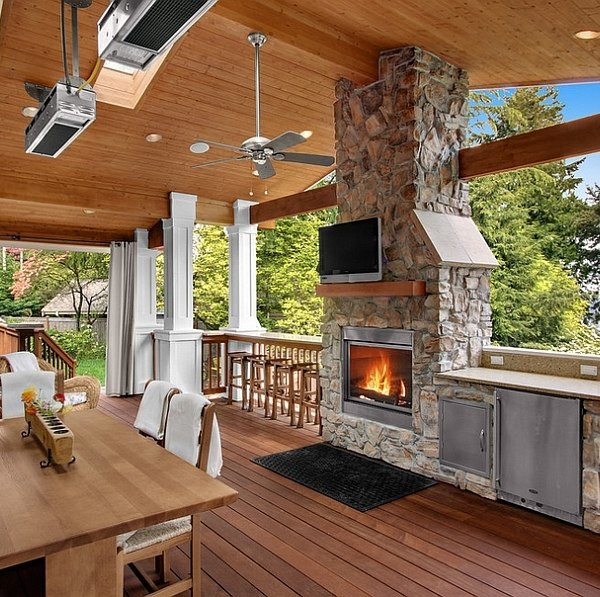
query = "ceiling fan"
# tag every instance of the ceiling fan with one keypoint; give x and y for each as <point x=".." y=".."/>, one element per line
<point x="259" y="149"/>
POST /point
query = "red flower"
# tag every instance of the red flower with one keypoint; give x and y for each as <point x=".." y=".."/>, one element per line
<point x="59" y="398"/>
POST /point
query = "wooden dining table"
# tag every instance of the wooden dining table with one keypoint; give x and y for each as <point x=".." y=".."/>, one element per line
<point x="71" y="514"/>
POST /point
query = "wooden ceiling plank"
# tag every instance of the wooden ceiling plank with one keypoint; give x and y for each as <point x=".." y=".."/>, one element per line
<point x="313" y="200"/>
<point x="569" y="139"/>
<point x="356" y="63"/>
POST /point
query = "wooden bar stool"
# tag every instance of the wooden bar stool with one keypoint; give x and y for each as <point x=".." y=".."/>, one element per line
<point x="310" y="395"/>
<point x="259" y="382"/>
<point x="286" y="389"/>
<point x="237" y="379"/>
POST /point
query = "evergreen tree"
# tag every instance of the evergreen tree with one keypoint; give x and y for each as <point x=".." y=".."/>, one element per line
<point x="534" y="223"/>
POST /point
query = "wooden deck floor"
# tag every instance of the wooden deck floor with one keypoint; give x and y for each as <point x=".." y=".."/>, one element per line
<point x="280" y="538"/>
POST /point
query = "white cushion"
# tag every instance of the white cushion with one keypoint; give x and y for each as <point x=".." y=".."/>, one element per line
<point x="74" y="398"/>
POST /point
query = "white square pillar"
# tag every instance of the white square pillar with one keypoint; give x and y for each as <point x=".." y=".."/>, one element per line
<point x="242" y="270"/>
<point x="178" y="346"/>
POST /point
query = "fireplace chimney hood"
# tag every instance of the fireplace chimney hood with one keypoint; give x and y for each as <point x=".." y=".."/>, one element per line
<point x="134" y="32"/>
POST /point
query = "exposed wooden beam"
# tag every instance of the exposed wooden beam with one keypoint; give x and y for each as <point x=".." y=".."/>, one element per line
<point x="292" y="205"/>
<point x="569" y="139"/>
<point x="209" y="211"/>
<point x="91" y="195"/>
<point x="355" y="59"/>
<point x="24" y="231"/>
<point x="155" y="236"/>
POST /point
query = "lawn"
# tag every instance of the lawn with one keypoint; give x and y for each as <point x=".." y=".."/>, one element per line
<point x="95" y="367"/>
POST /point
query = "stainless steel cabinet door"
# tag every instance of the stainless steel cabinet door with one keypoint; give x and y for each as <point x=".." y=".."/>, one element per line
<point x="464" y="433"/>
<point x="539" y="451"/>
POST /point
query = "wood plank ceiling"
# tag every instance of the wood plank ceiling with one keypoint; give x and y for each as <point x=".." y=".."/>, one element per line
<point x="205" y="88"/>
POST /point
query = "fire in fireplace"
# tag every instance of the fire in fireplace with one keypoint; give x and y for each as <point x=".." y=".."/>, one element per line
<point x="378" y="367"/>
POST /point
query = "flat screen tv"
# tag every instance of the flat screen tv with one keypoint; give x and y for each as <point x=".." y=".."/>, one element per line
<point x="350" y="252"/>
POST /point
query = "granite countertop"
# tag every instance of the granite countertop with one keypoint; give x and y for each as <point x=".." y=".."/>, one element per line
<point x="588" y="389"/>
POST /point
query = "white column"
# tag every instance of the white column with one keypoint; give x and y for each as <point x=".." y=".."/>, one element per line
<point x="144" y="310"/>
<point x="178" y="345"/>
<point x="242" y="270"/>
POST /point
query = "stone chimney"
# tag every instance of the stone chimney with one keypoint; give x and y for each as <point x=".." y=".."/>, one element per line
<point x="397" y="143"/>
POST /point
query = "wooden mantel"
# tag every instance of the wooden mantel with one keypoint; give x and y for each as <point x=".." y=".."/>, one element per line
<point x="365" y="289"/>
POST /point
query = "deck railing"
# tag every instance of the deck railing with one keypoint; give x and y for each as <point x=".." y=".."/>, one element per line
<point x="214" y="350"/>
<point x="43" y="346"/>
<point x="9" y="340"/>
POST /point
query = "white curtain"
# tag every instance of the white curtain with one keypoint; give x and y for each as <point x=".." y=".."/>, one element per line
<point x="120" y="324"/>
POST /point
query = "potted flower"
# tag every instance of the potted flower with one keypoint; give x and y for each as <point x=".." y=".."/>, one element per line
<point x="34" y="403"/>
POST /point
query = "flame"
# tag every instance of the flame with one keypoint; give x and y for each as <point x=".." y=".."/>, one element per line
<point x="378" y="377"/>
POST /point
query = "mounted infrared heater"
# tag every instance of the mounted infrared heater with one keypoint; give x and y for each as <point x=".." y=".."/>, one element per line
<point x="134" y="32"/>
<point x="60" y="119"/>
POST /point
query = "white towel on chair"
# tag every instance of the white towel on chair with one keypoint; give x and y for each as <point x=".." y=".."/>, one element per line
<point x="22" y="361"/>
<point x="13" y="385"/>
<point x="183" y="430"/>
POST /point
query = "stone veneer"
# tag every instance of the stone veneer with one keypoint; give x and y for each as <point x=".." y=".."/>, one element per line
<point x="591" y="465"/>
<point x="397" y="143"/>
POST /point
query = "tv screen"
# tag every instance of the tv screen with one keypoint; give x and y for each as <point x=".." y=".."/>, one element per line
<point x="350" y="252"/>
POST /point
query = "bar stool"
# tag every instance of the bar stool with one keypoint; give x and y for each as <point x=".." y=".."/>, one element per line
<point x="237" y="380"/>
<point x="285" y="389"/>
<point x="310" y="395"/>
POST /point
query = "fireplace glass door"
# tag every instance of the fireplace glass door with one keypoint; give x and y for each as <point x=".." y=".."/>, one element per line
<point x="380" y="374"/>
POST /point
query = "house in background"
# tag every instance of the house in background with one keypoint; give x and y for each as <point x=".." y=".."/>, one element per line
<point x="95" y="301"/>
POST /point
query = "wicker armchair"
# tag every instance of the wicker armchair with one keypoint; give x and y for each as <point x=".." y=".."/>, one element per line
<point x="80" y="383"/>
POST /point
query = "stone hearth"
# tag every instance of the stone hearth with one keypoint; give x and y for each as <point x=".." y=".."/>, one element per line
<point x="397" y="144"/>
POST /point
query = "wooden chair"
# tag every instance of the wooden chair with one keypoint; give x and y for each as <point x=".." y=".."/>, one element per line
<point x="189" y="417"/>
<point x="86" y="384"/>
<point x="151" y="416"/>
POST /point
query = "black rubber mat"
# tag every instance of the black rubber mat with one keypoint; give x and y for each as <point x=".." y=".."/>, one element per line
<point x="353" y="479"/>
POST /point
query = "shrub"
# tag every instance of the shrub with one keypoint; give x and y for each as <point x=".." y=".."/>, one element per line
<point x="81" y="344"/>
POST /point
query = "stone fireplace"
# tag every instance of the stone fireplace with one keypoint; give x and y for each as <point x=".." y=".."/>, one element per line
<point x="397" y="143"/>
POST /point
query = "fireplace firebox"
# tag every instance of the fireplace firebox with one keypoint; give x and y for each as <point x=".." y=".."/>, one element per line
<point x="377" y="369"/>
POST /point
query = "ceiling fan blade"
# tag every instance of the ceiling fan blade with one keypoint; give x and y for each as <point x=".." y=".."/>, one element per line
<point x="305" y="158"/>
<point x="220" y="145"/>
<point x="243" y="157"/>
<point x="265" y="170"/>
<point x="284" y="141"/>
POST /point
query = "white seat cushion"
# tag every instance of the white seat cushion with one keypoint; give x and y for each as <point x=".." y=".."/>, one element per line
<point x="137" y="540"/>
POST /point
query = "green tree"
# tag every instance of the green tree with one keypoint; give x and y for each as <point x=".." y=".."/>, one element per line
<point x="26" y="306"/>
<point x="287" y="259"/>
<point x="47" y="272"/>
<point x="211" y="276"/>
<point x="535" y="225"/>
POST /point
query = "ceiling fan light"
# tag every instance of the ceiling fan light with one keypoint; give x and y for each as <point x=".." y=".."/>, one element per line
<point x="199" y="147"/>
<point x="306" y="134"/>
<point x="254" y="172"/>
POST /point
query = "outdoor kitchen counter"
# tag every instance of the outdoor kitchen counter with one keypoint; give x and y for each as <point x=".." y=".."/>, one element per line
<point x="588" y="389"/>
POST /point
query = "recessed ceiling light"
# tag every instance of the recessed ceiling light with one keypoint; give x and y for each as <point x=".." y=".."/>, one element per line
<point x="89" y="211"/>
<point x="199" y="147"/>
<point x="29" y="111"/>
<point x="587" y="34"/>
<point x="153" y="138"/>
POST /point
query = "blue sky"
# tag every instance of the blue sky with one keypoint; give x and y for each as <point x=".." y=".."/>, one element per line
<point x="580" y="101"/>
